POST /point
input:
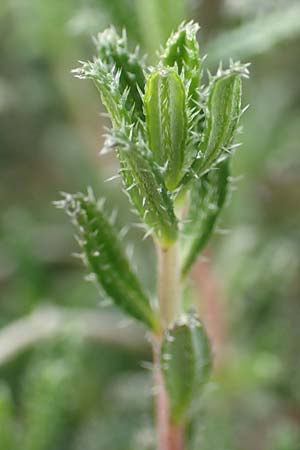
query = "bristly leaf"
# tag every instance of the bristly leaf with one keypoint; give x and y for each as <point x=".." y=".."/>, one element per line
<point x="222" y="116"/>
<point x="106" y="259"/>
<point x="186" y="363"/>
<point x="113" y="51"/>
<point x="167" y="131"/>
<point x="107" y="83"/>
<point x="142" y="179"/>
<point x="145" y="187"/>
<point x="166" y="122"/>
<point x="182" y="51"/>
<point x="223" y="111"/>
<point x="207" y="199"/>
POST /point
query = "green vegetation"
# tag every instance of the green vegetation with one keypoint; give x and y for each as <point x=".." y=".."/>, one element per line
<point x="154" y="152"/>
<point x="73" y="370"/>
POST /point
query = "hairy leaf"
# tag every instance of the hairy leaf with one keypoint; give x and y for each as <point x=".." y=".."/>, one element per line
<point x="113" y="51"/>
<point x="166" y="122"/>
<point x="185" y="362"/>
<point x="182" y="51"/>
<point x="142" y="179"/>
<point x="147" y="190"/>
<point x="208" y="196"/>
<point x="103" y="254"/>
<point x="222" y="114"/>
<point x="107" y="83"/>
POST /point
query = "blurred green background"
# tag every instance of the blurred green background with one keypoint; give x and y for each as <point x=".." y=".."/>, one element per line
<point x="73" y="372"/>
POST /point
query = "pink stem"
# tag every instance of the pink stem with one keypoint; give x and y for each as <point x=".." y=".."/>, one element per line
<point x="170" y="436"/>
<point x="206" y="282"/>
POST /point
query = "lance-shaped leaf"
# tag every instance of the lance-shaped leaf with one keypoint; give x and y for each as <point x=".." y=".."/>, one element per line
<point x="104" y="256"/>
<point x="147" y="190"/>
<point x="142" y="180"/>
<point x="113" y="51"/>
<point x="186" y="363"/>
<point x="223" y="111"/>
<point x="166" y="122"/>
<point x="182" y="51"/>
<point x="107" y="83"/>
<point x="207" y="199"/>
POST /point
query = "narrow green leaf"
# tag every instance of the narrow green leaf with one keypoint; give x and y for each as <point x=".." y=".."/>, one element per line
<point x="141" y="177"/>
<point x="182" y="50"/>
<point x="104" y="256"/>
<point x="113" y="51"/>
<point x="107" y="83"/>
<point x="166" y="122"/>
<point x="222" y="115"/>
<point x="208" y="196"/>
<point x="186" y="363"/>
<point x="145" y="187"/>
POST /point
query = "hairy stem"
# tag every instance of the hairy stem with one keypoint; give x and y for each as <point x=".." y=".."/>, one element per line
<point x="170" y="436"/>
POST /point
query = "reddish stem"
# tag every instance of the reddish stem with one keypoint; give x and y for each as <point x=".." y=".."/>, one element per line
<point x="170" y="436"/>
<point x="206" y="282"/>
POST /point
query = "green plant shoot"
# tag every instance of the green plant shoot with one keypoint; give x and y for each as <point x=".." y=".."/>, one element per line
<point x="174" y="139"/>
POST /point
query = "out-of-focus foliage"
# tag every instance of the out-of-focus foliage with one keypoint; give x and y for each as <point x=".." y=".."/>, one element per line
<point x="257" y="36"/>
<point x="49" y="140"/>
